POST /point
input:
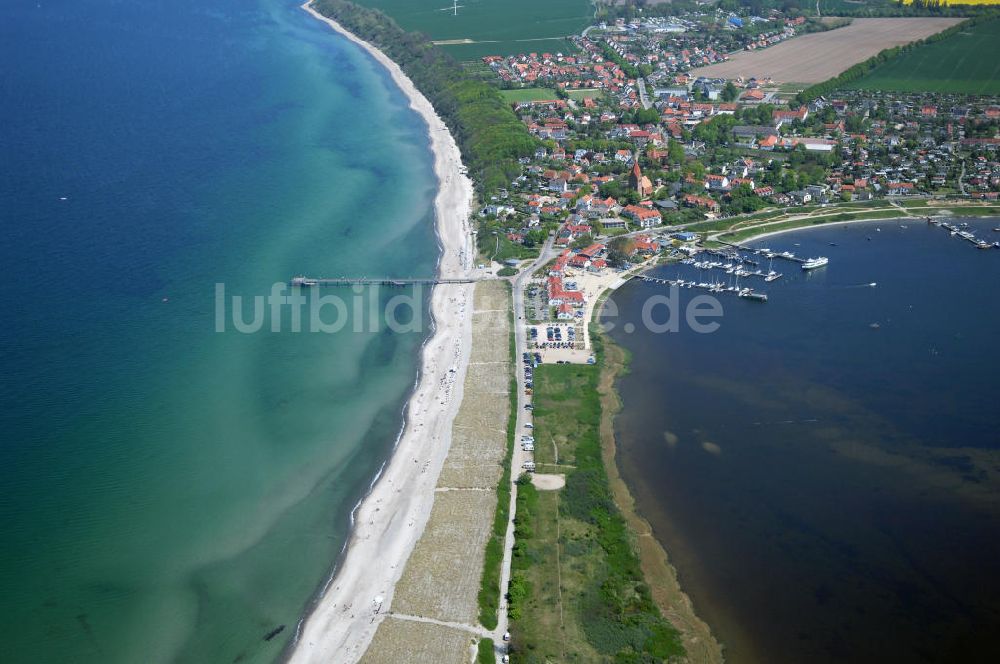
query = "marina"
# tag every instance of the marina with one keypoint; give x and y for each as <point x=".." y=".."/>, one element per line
<point x="961" y="231"/>
<point x="805" y="263"/>
<point x="716" y="287"/>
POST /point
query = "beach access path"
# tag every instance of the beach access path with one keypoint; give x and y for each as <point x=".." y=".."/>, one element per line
<point x="392" y="516"/>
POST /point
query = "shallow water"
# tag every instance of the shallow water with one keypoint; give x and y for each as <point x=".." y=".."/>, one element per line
<point x="170" y="492"/>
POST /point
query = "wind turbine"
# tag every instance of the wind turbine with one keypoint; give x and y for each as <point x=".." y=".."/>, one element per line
<point x="454" y="8"/>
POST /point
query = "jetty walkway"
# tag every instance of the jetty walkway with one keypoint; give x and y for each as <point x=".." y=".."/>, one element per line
<point x="307" y="282"/>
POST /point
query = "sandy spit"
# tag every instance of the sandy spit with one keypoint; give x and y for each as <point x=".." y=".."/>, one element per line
<point x="392" y="517"/>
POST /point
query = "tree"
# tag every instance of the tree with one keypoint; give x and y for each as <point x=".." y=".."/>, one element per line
<point x="535" y="237"/>
<point x="675" y="152"/>
<point x="620" y="250"/>
<point x="730" y="92"/>
<point x="742" y="200"/>
<point x="646" y="116"/>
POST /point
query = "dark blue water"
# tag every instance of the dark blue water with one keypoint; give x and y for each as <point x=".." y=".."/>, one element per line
<point x="170" y="492"/>
<point x="828" y="489"/>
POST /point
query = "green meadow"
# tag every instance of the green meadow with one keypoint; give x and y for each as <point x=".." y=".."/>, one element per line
<point x="494" y="27"/>
<point x="580" y="95"/>
<point x="968" y="62"/>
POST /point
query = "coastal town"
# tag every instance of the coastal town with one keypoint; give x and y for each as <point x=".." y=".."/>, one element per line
<point x="501" y="332"/>
<point x="641" y="158"/>
<point x="634" y="159"/>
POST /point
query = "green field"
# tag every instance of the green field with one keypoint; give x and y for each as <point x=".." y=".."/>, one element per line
<point x="497" y="27"/>
<point x="529" y="94"/>
<point x="965" y="63"/>
<point x="580" y="95"/>
<point x="577" y="593"/>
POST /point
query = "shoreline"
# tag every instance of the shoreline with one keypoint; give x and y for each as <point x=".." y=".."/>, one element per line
<point x="658" y="572"/>
<point x="736" y="637"/>
<point x="391" y="517"/>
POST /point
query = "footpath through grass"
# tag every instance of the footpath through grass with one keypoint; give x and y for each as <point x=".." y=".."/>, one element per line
<point x="577" y="591"/>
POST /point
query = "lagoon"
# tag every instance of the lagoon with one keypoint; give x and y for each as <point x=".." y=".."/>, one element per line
<point x="826" y="487"/>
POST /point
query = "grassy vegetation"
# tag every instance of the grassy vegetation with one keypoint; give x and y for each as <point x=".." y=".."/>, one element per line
<point x="484" y="654"/>
<point x="580" y="95"/>
<point x="489" y="591"/>
<point x="976" y="211"/>
<point x="577" y="591"/>
<point x="499" y="247"/>
<point x="497" y="28"/>
<point x="490" y="136"/>
<point x="529" y="94"/>
<point x="742" y="234"/>
<point x="966" y="62"/>
<point x="957" y="50"/>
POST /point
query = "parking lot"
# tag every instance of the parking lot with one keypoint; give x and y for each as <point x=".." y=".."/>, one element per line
<point x="553" y="335"/>
<point x="536" y="304"/>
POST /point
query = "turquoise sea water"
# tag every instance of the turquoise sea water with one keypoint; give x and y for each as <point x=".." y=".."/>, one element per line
<point x="170" y="493"/>
<point x="823" y="469"/>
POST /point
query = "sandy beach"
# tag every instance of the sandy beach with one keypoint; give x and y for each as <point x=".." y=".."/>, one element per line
<point x="392" y="517"/>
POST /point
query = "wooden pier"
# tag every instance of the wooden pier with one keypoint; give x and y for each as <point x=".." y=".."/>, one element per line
<point x="310" y="282"/>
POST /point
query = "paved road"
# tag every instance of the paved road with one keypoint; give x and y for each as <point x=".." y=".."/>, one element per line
<point x="520" y="456"/>
<point x="641" y="84"/>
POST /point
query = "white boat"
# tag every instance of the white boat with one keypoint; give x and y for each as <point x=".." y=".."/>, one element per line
<point x="814" y="263"/>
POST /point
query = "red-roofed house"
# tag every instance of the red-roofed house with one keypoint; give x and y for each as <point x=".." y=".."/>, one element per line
<point x="645" y="217"/>
<point x="702" y="202"/>
<point x="781" y="117"/>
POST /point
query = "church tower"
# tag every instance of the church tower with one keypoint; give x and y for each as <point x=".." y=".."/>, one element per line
<point x="637" y="181"/>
